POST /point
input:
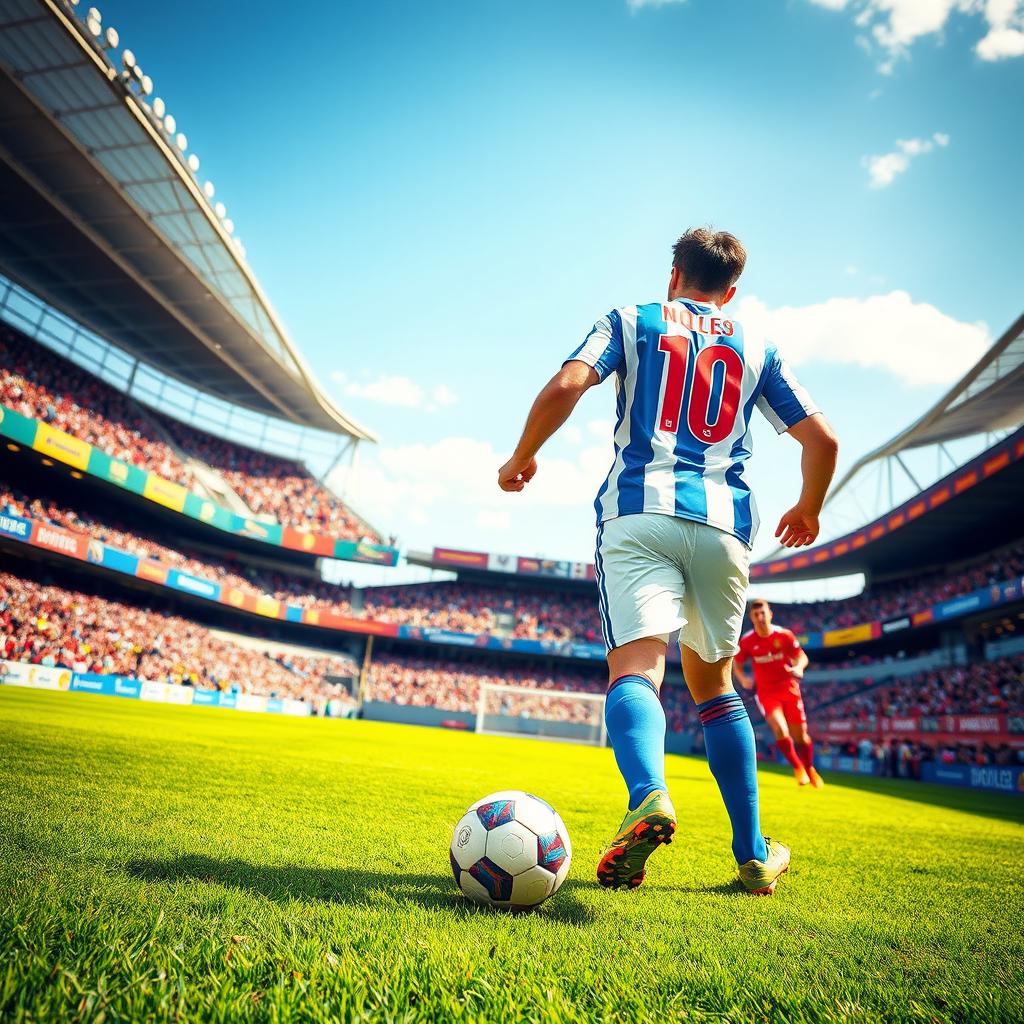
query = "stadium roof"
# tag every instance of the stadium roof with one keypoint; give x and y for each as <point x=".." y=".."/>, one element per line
<point x="986" y="404"/>
<point x="102" y="216"/>
<point x="989" y="398"/>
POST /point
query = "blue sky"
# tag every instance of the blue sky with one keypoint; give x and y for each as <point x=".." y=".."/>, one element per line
<point x="440" y="199"/>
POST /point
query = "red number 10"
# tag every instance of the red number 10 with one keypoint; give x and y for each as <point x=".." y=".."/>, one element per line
<point x="698" y="405"/>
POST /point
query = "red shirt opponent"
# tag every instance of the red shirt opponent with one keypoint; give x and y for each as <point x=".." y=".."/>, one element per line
<point x="775" y="658"/>
<point x="779" y="663"/>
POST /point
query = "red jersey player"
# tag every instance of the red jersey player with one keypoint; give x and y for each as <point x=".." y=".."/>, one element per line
<point x="779" y="663"/>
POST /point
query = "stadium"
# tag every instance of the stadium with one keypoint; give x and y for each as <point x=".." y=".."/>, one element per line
<point x="196" y="722"/>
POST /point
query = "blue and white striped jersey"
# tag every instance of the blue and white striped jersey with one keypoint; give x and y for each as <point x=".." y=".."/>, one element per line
<point x="687" y="379"/>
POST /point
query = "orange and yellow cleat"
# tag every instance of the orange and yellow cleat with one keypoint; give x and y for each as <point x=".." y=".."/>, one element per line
<point x="816" y="780"/>
<point x="802" y="778"/>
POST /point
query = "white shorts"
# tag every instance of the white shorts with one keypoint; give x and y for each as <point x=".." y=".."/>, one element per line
<point x="658" y="573"/>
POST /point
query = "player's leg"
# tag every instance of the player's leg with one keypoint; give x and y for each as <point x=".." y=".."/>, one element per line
<point x="775" y="716"/>
<point x="796" y="718"/>
<point x="634" y="716"/>
<point x="639" y="594"/>
<point x="713" y="603"/>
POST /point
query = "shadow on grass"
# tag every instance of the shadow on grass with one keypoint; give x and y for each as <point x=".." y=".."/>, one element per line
<point x="1002" y="807"/>
<point x="350" y="886"/>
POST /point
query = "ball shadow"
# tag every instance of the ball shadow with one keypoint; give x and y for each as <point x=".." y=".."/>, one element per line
<point x="352" y="886"/>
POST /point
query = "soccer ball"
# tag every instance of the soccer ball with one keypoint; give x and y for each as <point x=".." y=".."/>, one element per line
<point x="510" y="850"/>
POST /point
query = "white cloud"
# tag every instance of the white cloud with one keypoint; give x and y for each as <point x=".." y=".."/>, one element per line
<point x="914" y="341"/>
<point x="883" y="170"/>
<point x="395" y="390"/>
<point x="635" y="5"/>
<point x="895" y="25"/>
<point x="446" y="492"/>
<point x="571" y="433"/>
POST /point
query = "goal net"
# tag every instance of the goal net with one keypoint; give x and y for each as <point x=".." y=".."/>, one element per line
<point x="566" y="715"/>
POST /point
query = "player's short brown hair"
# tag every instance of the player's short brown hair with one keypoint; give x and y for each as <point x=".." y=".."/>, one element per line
<point x="759" y="602"/>
<point x="709" y="260"/>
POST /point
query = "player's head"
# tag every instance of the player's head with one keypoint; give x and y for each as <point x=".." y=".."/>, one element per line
<point x="706" y="263"/>
<point x="761" y="614"/>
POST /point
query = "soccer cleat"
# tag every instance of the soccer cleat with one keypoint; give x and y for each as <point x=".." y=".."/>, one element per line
<point x="802" y="778"/>
<point x="816" y="780"/>
<point x="642" y="831"/>
<point x="759" y="877"/>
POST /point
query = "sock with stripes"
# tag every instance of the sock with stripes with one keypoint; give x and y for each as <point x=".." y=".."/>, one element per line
<point x="635" y="721"/>
<point x="729" y="741"/>
<point x="805" y="751"/>
<point x="789" y="751"/>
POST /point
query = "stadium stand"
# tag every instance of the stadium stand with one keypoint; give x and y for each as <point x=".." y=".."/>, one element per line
<point x="52" y="626"/>
<point x="41" y="384"/>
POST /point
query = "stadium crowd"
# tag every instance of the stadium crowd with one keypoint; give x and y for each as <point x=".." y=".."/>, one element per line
<point x="48" y="625"/>
<point x="455" y="686"/>
<point x="985" y="687"/>
<point x="43" y="385"/>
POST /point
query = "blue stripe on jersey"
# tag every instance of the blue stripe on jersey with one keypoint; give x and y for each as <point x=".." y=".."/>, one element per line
<point x="646" y="392"/>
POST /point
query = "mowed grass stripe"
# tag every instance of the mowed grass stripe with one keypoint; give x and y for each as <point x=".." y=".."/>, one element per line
<point x="162" y="863"/>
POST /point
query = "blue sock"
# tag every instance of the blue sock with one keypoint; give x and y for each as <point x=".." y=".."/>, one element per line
<point x="729" y="741"/>
<point x="636" y="727"/>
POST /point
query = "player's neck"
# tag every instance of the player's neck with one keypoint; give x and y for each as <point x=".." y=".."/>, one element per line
<point x="695" y="294"/>
<point x="768" y="630"/>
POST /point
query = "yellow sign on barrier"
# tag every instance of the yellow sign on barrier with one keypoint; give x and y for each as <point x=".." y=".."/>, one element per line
<point x="71" y="450"/>
<point x="165" y="493"/>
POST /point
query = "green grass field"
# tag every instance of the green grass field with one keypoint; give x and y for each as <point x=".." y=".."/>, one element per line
<point x="162" y="863"/>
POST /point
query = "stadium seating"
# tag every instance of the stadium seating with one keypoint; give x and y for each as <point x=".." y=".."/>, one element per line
<point x="49" y="625"/>
<point x="38" y="383"/>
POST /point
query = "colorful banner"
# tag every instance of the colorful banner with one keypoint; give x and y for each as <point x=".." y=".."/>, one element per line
<point x="460" y="559"/>
<point x="36" y="677"/>
<point x="63" y="447"/>
<point x="73" y="451"/>
<point x="15" y="526"/>
<point x="850" y="635"/>
<point x="933" y="729"/>
<point x="995" y="778"/>
<point x="54" y="538"/>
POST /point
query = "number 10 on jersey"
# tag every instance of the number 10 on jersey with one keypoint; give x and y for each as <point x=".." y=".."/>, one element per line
<point x="711" y="403"/>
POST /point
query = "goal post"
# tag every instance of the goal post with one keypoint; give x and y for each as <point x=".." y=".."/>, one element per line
<point x="569" y="716"/>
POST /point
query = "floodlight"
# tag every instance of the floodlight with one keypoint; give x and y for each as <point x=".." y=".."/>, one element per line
<point x="112" y="38"/>
<point x="94" y="14"/>
<point x="147" y="85"/>
<point x="93" y="24"/>
<point x="208" y="189"/>
<point x="182" y="141"/>
<point x="229" y="225"/>
<point x="220" y="210"/>
<point x="159" y="109"/>
<point x="128" y="59"/>
<point x="193" y="162"/>
<point x="170" y="124"/>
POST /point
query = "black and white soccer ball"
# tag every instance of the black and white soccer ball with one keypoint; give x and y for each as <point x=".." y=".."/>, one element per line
<point x="510" y="850"/>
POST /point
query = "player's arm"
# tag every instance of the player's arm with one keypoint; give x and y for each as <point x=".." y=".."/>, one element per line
<point x="799" y="664"/>
<point x="741" y="677"/>
<point x="551" y="408"/>
<point x="600" y="354"/>
<point x="799" y="526"/>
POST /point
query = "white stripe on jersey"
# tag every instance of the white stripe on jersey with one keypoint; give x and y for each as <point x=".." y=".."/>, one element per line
<point x="610" y="498"/>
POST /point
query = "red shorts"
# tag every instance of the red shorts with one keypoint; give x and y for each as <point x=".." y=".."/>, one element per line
<point x="792" y="705"/>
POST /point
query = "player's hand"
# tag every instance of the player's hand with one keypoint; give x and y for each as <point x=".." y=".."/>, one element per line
<point x="796" y="671"/>
<point x="516" y="473"/>
<point x="797" y="528"/>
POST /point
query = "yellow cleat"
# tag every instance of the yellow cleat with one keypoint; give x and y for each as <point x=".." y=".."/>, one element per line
<point x="816" y="780"/>
<point x="642" y="831"/>
<point x="759" y="877"/>
<point x="802" y="778"/>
